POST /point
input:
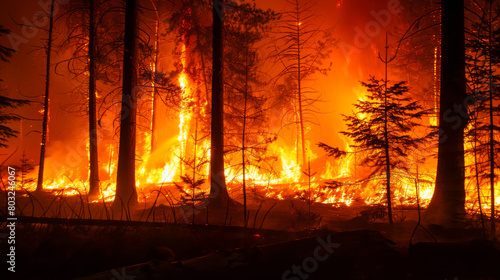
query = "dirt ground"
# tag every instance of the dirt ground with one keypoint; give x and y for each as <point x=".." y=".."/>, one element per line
<point x="281" y="241"/>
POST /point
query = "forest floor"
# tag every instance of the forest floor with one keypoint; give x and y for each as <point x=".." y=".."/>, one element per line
<point x="283" y="240"/>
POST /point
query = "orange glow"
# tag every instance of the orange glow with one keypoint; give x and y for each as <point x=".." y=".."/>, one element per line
<point x="280" y="176"/>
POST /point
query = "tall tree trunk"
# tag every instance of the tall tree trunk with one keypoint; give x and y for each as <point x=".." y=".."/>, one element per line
<point x="218" y="190"/>
<point x="126" y="194"/>
<point x="243" y="137"/>
<point x="94" y="163"/>
<point x="299" y="88"/>
<point x="155" y="88"/>
<point x="386" y="138"/>
<point x="243" y="157"/>
<point x="447" y="205"/>
<point x="476" y="169"/>
<point x="45" y="123"/>
<point x="492" y="130"/>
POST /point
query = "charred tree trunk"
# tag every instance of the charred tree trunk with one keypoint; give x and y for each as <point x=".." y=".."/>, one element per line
<point x="94" y="162"/>
<point x="218" y="190"/>
<point x="386" y="139"/>
<point x="492" y="124"/>
<point x="447" y="205"/>
<point x="476" y="173"/>
<point x="155" y="88"/>
<point x="299" y="88"/>
<point x="243" y="137"/>
<point x="126" y="194"/>
<point x="45" y="123"/>
<point x="243" y="158"/>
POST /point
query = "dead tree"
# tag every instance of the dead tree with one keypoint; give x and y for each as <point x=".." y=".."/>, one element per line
<point x="45" y="122"/>
<point x="482" y="61"/>
<point x="93" y="154"/>
<point x="246" y="101"/>
<point x="301" y="52"/>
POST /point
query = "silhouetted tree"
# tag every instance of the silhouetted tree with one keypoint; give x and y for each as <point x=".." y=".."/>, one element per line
<point x="483" y="60"/>
<point x="45" y="122"/>
<point x="6" y="102"/>
<point x="246" y="101"/>
<point x="218" y="189"/>
<point x="94" y="56"/>
<point x="5" y="52"/>
<point x="382" y="126"/>
<point x="447" y="205"/>
<point x="92" y="53"/>
<point x="126" y="193"/>
<point x="301" y="50"/>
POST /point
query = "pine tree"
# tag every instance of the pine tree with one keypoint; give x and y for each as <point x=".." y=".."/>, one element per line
<point x="246" y="101"/>
<point x="301" y="48"/>
<point x="483" y="60"/>
<point x="6" y="103"/>
<point x="5" y="52"/>
<point x="382" y="126"/>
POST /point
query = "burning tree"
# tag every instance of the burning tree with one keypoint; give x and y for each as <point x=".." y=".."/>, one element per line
<point x="90" y="45"/>
<point x="301" y="51"/>
<point x="45" y="122"/>
<point x="218" y="189"/>
<point x="482" y="62"/>
<point x="246" y="101"/>
<point x="419" y="53"/>
<point x="126" y="193"/>
<point x="234" y="25"/>
<point x="447" y="205"/>
<point x="382" y="127"/>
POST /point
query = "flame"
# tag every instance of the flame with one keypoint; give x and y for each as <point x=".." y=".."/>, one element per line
<point x="434" y="120"/>
<point x="280" y="176"/>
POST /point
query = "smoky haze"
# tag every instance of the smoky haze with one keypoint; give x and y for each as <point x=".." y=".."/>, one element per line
<point x="358" y="25"/>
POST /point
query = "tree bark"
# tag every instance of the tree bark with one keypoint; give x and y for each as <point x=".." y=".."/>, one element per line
<point x="126" y="194"/>
<point x="45" y="123"/>
<point x="155" y="88"/>
<point x="492" y="124"/>
<point x="218" y="190"/>
<point x="447" y="204"/>
<point x="299" y="88"/>
<point x="386" y="138"/>
<point x="243" y="137"/>
<point x="93" y="155"/>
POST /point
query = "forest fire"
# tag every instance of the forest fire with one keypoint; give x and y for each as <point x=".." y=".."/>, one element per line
<point x="251" y="139"/>
<point x="284" y="180"/>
